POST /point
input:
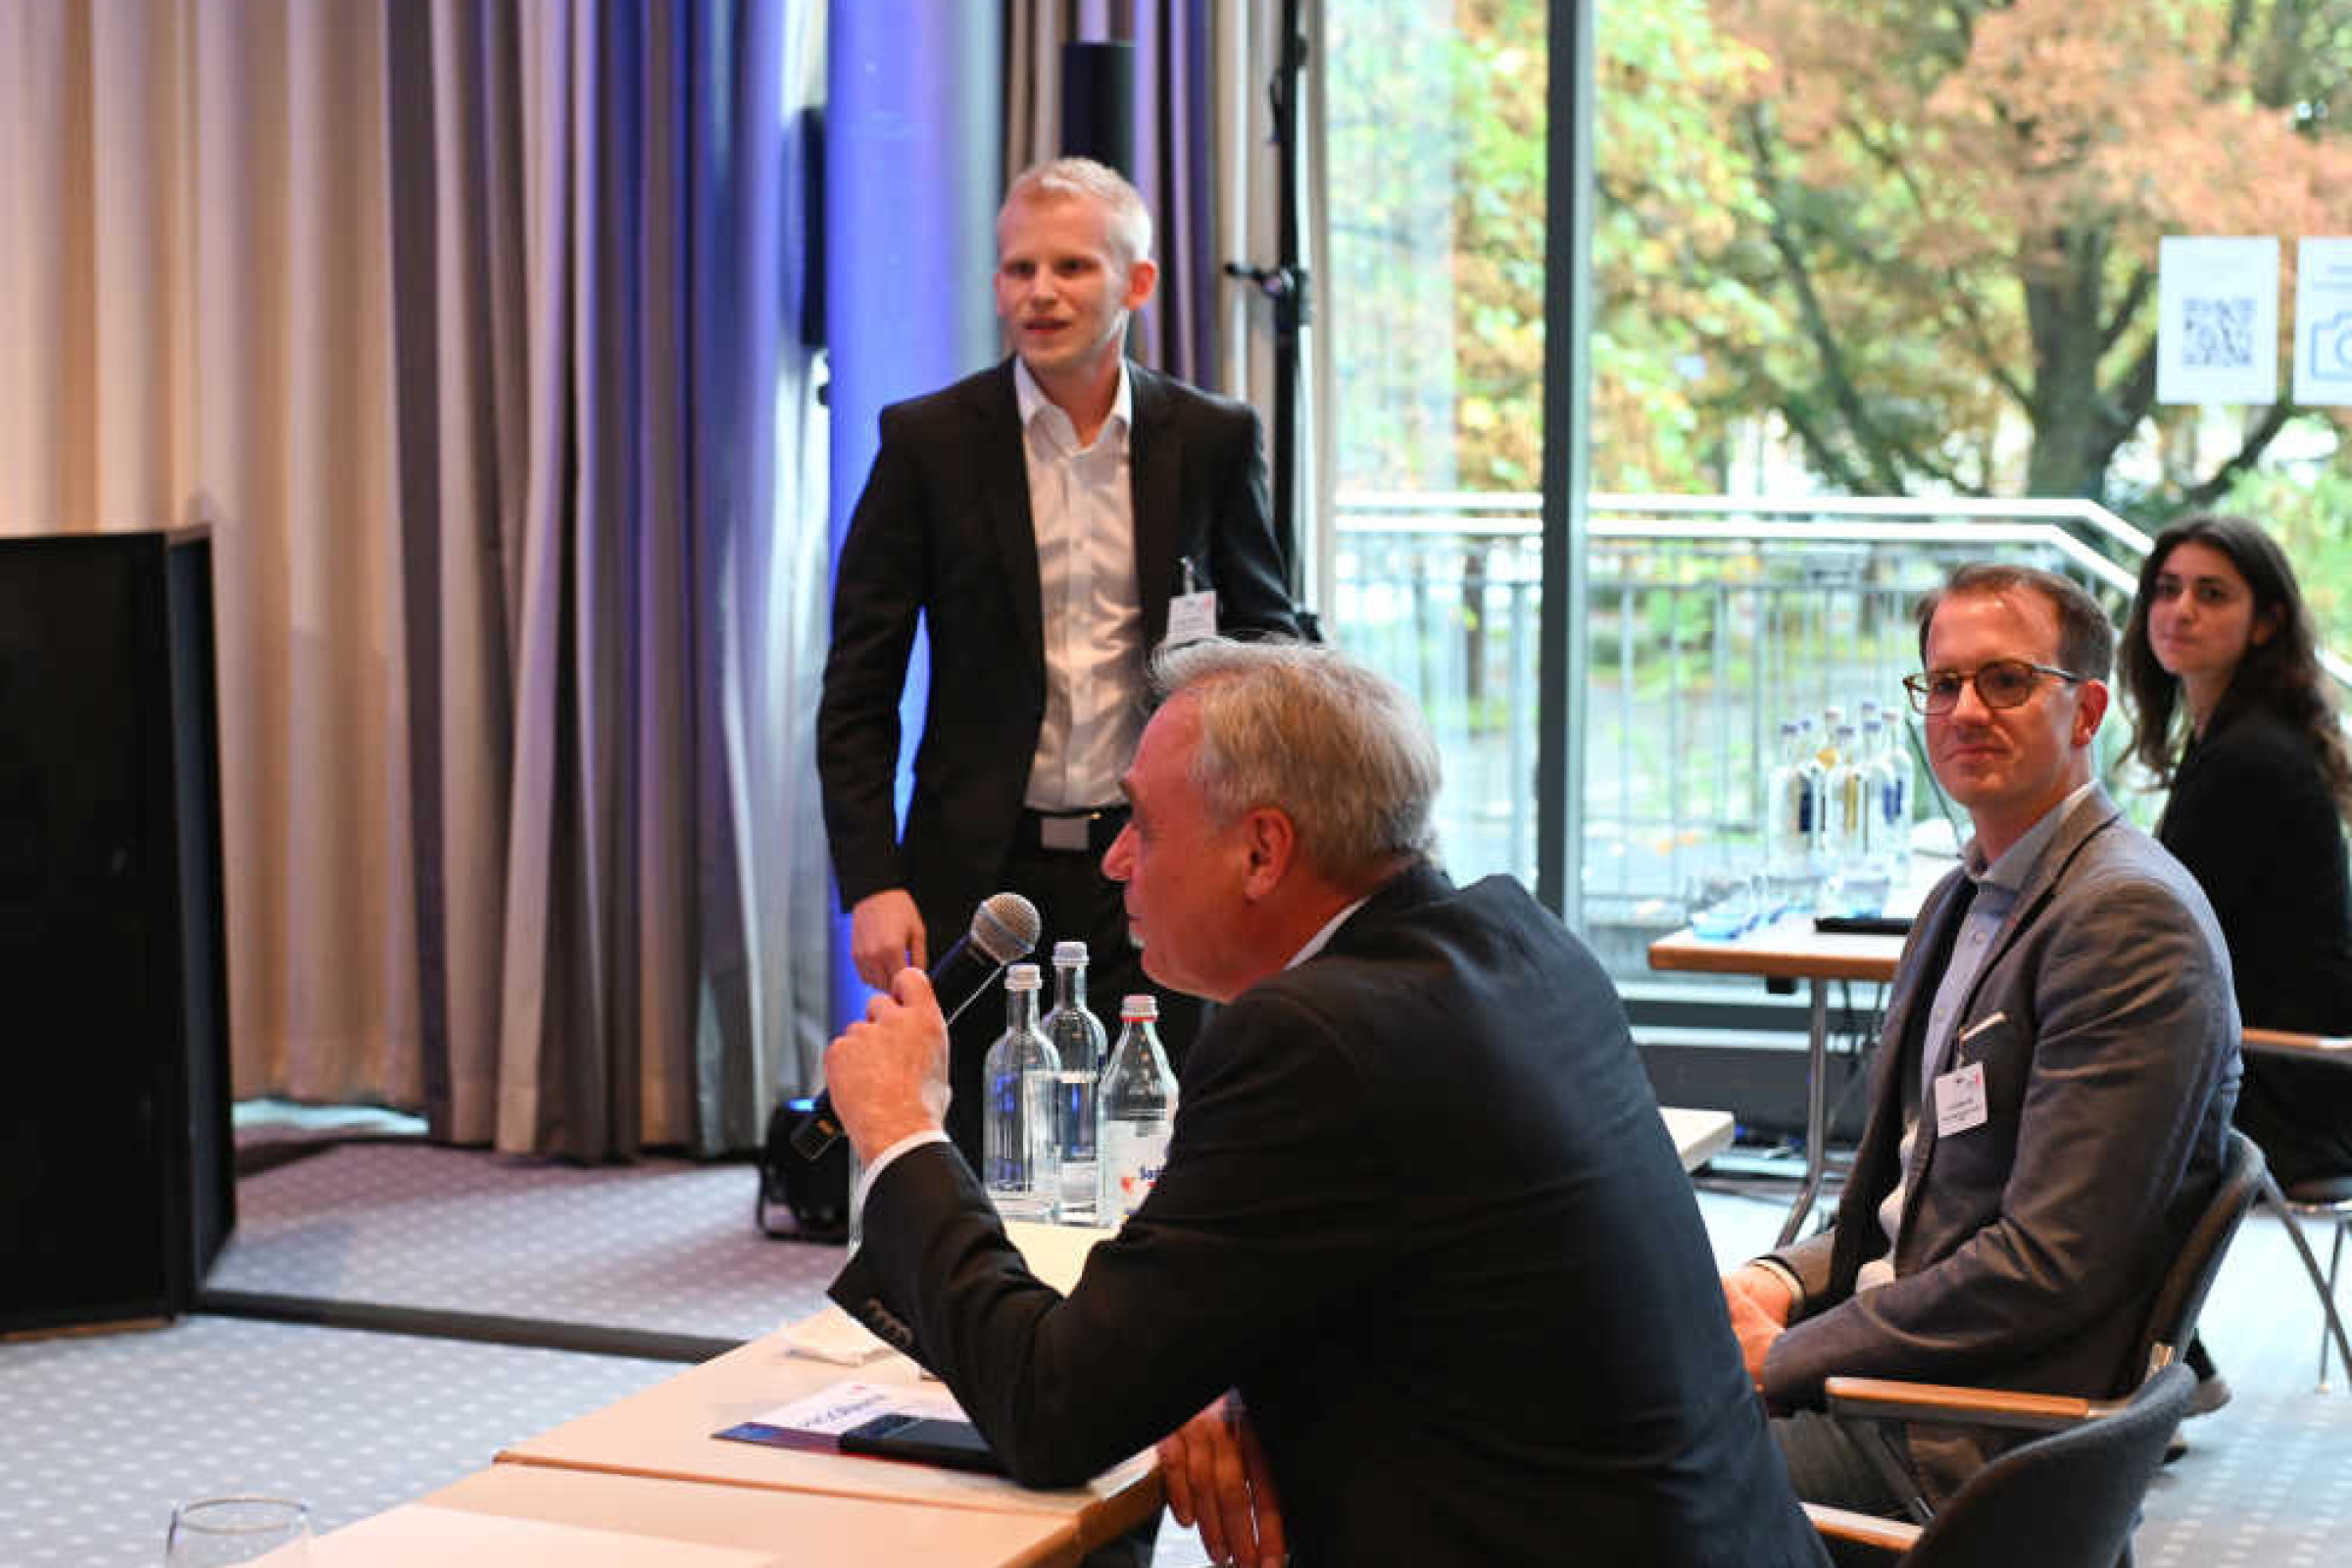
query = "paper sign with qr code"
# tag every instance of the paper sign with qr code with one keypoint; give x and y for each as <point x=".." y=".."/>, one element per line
<point x="2216" y="332"/>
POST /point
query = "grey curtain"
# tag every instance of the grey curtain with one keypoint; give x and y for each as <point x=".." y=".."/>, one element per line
<point x="613" y="624"/>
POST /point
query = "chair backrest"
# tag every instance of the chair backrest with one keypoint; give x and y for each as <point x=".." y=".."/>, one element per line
<point x="2173" y="1311"/>
<point x="2066" y="1500"/>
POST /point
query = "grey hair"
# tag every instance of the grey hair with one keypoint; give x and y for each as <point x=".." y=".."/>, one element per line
<point x="1340" y="748"/>
<point x="1129" y="221"/>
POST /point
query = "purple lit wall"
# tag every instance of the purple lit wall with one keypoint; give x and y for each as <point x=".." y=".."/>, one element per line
<point x="914" y="168"/>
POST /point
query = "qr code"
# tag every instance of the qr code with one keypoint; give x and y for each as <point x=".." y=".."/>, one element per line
<point x="2218" y="333"/>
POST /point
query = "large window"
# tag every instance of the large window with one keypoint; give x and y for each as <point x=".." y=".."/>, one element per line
<point x="1435" y="134"/>
<point x="1874" y="285"/>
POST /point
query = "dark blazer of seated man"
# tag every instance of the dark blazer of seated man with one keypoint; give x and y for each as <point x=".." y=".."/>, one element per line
<point x="1419" y="1209"/>
<point x="2052" y="1093"/>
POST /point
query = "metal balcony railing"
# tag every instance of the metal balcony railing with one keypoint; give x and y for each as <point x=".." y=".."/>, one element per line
<point x="1708" y="620"/>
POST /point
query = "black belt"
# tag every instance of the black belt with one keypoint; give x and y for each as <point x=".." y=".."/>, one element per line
<point x="1080" y="832"/>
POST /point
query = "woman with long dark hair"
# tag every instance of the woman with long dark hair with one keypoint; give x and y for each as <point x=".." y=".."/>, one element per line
<point x="2234" y="713"/>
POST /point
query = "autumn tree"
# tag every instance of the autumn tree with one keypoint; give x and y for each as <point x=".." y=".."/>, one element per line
<point x="1944" y="219"/>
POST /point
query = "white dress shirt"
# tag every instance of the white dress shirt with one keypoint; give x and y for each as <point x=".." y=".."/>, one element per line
<point x="1081" y="506"/>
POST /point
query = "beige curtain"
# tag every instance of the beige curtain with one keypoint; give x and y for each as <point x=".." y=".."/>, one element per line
<point x="193" y="265"/>
<point x="459" y="323"/>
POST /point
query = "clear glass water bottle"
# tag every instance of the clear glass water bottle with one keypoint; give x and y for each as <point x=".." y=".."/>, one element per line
<point x="1080" y="1043"/>
<point x="1793" y="824"/>
<point x="1139" y="1111"/>
<point x="1893" y="777"/>
<point x="1843" y="817"/>
<point x="1851" y="831"/>
<point x="1020" y="1164"/>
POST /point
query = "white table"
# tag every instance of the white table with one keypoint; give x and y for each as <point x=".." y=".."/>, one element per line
<point x="664" y="1432"/>
<point x="661" y="1438"/>
<point x="519" y="1516"/>
<point x="1698" y="1135"/>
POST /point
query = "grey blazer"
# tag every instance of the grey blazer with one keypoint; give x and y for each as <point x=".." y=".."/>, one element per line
<point x="2031" y="1242"/>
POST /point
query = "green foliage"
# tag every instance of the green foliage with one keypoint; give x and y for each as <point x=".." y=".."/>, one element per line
<point x="2311" y="517"/>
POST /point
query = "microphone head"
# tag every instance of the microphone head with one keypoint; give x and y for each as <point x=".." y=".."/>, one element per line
<point x="1006" y="926"/>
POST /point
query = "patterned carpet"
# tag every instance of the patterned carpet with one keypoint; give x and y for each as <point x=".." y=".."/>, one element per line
<point x="102" y="1435"/>
<point x="663" y="1246"/>
<point x="99" y="1436"/>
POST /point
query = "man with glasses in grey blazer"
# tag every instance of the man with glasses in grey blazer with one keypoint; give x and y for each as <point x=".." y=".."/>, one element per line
<point x="2052" y="1099"/>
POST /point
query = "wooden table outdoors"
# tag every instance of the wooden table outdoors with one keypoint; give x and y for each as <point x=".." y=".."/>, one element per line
<point x="1791" y="949"/>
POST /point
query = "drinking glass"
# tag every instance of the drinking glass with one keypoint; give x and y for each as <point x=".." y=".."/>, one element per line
<point x="1722" y="901"/>
<point x="230" y="1531"/>
<point x="1859" y="888"/>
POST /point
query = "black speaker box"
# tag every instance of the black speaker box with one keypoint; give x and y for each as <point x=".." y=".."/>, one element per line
<point x="1097" y="104"/>
<point x="117" y="1171"/>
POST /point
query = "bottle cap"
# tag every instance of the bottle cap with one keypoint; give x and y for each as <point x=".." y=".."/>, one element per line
<point x="1070" y="953"/>
<point x="1021" y="977"/>
<point x="1140" y="1006"/>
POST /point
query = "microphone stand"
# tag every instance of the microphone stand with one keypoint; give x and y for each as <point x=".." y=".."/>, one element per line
<point x="1285" y="284"/>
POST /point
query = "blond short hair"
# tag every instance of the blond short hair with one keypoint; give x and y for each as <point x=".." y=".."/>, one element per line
<point x="1129" y="221"/>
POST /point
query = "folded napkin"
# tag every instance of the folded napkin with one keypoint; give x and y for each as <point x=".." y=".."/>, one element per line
<point x="832" y="1334"/>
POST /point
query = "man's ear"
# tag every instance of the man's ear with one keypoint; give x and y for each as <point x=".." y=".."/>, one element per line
<point x="1272" y="841"/>
<point x="1143" y="275"/>
<point x="2091" y="706"/>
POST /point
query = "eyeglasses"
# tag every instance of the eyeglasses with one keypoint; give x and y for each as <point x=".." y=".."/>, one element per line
<point x="2004" y="683"/>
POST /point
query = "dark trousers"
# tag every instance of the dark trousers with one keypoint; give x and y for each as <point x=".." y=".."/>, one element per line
<point x="1825" y="1467"/>
<point x="1076" y="902"/>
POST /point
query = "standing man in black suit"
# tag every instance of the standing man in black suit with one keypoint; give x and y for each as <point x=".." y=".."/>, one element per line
<point x="1054" y="519"/>
<point x="1419" y="1211"/>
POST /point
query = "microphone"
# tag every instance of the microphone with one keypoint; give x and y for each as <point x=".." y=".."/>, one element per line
<point x="1004" y="927"/>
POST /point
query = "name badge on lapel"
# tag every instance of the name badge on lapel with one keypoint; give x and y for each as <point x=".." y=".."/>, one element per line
<point x="1960" y="1099"/>
<point x="1192" y="614"/>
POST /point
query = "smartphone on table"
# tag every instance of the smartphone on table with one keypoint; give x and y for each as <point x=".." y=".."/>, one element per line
<point x="929" y="1439"/>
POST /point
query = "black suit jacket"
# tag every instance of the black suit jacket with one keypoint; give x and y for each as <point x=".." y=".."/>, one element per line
<point x="942" y="530"/>
<point x="2251" y="817"/>
<point x="1420" y="1208"/>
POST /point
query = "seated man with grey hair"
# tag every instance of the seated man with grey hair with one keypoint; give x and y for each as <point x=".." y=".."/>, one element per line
<point x="1420" y="1214"/>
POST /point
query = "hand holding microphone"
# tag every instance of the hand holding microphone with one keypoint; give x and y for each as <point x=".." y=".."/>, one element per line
<point x="1004" y="927"/>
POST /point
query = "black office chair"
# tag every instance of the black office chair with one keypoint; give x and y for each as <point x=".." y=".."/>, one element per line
<point x="2064" y="1500"/>
<point x="2171" y="1320"/>
<point x="2326" y="1196"/>
<point x="1875" y="1411"/>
